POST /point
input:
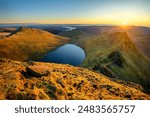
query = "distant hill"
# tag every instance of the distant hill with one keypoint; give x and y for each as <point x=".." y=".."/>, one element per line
<point x="114" y="54"/>
<point x="35" y="80"/>
<point x="28" y="43"/>
<point x="5" y="32"/>
<point x="7" y="29"/>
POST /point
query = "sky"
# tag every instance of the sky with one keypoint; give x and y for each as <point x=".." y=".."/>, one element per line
<point x="115" y="12"/>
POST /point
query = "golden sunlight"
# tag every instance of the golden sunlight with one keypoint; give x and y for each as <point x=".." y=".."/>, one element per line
<point x="125" y="23"/>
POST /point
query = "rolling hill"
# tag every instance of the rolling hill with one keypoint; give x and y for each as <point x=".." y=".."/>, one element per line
<point x="28" y="43"/>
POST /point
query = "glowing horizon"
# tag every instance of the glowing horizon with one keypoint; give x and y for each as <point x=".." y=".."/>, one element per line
<point x="113" y="12"/>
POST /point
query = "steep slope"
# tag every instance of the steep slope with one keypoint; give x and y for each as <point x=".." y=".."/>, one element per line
<point x="28" y="43"/>
<point x="34" y="80"/>
<point x="141" y="40"/>
<point x="143" y="43"/>
<point x="113" y="54"/>
<point x="120" y="60"/>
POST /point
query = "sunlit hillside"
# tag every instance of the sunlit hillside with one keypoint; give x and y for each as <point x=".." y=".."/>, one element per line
<point x="113" y="54"/>
<point x="34" y="80"/>
<point x="28" y="43"/>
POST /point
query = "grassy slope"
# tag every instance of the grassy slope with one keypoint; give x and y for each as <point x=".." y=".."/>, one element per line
<point x="99" y="48"/>
<point x="60" y="82"/>
<point x="28" y="43"/>
<point x="143" y="43"/>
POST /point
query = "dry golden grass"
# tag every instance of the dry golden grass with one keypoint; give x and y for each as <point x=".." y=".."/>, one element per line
<point x="28" y="43"/>
<point x="18" y="81"/>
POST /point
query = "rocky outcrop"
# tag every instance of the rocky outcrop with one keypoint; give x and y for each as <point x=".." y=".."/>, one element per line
<point x="104" y="70"/>
<point x="116" y="58"/>
<point x="33" y="71"/>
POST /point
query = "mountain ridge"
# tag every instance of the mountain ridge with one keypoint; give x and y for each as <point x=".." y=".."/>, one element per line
<point x="114" y="54"/>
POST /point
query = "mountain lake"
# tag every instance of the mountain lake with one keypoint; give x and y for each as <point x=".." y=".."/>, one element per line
<point x="66" y="54"/>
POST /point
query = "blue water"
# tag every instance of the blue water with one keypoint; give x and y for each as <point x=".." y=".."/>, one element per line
<point x="66" y="54"/>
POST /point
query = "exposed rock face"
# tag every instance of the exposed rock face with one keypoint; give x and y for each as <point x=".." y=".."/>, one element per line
<point x="116" y="58"/>
<point x="104" y="70"/>
<point x="21" y="80"/>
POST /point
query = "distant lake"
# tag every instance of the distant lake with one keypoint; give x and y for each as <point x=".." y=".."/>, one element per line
<point x="69" y="28"/>
<point x="66" y="54"/>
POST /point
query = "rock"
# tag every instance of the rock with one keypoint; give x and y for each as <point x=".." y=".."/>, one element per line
<point x="35" y="71"/>
<point x="10" y="96"/>
<point x="74" y="85"/>
<point x="2" y="60"/>
<point x="104" y="70"/>
<point x="116" y="58"/>
<point x="95" y="86"/>
<point x="59" y="81"/>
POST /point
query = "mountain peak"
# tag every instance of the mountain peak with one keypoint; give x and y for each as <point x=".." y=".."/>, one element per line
<point x="120" y="35"/>
<point x="122" y="40"/>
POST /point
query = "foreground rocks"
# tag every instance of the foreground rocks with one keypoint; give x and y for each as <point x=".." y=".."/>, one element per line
<point x="21" y="80"/>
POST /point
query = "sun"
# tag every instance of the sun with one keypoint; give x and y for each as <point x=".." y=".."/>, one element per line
<point x="124" y="23"/>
